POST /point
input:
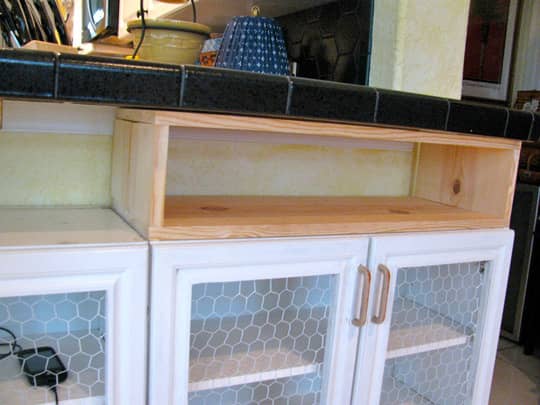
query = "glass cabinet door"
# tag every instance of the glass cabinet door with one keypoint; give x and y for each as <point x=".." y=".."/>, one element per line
<point x="435" y="318"/>
<point x="255" y="322"/>
<point x="436" y="312"/>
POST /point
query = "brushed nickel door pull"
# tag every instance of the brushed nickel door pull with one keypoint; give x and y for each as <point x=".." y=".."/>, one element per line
<point x="364" y="274"/>
<point x="383" y="304"/>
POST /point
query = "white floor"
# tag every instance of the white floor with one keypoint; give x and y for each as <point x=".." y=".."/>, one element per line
<point x="516" y="380"/>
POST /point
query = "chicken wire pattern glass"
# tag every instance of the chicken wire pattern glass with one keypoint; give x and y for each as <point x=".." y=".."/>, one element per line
<point x="73" y="325"/>
<point x="434" y="320"/>
<point x="255" y="332"/>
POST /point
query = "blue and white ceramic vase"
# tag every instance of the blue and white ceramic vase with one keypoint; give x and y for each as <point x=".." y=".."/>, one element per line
<point x="255" y="44"/>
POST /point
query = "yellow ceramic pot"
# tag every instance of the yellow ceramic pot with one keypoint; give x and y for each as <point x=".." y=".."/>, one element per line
<point x="170" y="41"/>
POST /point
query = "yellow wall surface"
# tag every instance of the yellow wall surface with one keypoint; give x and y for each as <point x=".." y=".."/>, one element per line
<point x="213" y="168"/>
<point x="419" y="46"/>
<point x="53" y="169"/>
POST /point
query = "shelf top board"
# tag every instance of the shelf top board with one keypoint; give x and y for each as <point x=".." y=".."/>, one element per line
<point x="313" y="128"/>
<point x="217" y="217"/>
<point x="28" y="227"/>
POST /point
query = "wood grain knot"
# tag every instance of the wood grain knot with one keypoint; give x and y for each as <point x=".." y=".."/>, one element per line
<point x="456" y="187"/>
<point x="214" y="208"/>
<point x="403" y="212"/>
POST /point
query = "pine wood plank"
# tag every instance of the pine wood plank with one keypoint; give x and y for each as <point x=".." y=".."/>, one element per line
<point x="212" y="217"/>
<point x="313" y="128"/>
<point x="475" y="179"/>
<point x="139" y="173"/>
<point x="459" y="181"/>
<point x="62" y="226"/>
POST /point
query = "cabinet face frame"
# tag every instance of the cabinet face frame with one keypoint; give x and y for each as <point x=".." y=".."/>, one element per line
<point x="177" y="266"/>
<point x="119" y="271"/>
<point x="413" y="250"/>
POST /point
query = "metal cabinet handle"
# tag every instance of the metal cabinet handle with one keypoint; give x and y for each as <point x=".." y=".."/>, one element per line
<point x="366" y="276"/>
<point x="383" y="304"/>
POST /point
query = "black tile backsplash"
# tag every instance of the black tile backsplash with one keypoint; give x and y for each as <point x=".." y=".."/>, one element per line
<point x="333" y="101"/>
<point x="45" y="75"/>
<point x="331" y="42"/>
<point x="477" y="119"/>
<point x="519" y="124"/>
<point x="118" y="81"/>
<point x="234" y="91"/>
<point x="27" y="73"/>
<point x="405" y="109"/>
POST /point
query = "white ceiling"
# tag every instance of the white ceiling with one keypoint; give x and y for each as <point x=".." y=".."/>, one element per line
<point x="216" y="13"/>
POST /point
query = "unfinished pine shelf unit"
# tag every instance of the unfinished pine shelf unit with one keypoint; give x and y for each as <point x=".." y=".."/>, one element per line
<point x="458" y="181"/>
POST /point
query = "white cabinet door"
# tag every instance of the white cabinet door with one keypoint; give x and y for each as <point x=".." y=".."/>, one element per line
<point x="88" y="305"/>
<point x="435" y="316"/>
<point x="259" y="321"/>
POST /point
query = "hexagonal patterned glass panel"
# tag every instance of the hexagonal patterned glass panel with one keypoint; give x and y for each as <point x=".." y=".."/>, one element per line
<point x="435" y="316"/>
<point x="298" y="390"/>
<point x="259" y="341"/>
<point x="53" y="343"/>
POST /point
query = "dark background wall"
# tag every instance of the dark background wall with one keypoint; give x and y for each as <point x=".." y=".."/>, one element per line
<point x="331" y="42"/>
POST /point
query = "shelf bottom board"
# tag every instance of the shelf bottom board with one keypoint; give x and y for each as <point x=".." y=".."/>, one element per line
<point x="223" y="371"/>
<point x="210" y="217"/>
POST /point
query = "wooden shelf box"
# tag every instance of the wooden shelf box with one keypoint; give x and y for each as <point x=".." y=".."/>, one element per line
<point x="457" y="181"/>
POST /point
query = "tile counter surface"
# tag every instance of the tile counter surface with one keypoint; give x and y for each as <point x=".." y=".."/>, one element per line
<point x="44" y="75"/>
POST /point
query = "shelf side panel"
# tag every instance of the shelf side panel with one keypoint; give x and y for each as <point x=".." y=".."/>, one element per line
<point x="139" y="173"/>
<point x="479" y="180"/>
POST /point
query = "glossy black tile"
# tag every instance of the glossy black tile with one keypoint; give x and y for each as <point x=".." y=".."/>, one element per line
<point x="212" y="89"/>
<point x="27" y="73"/>
<point x="411" y="110"/>
<point x="477" y="119"/>
<point x="331" y="42"/>
<point x="535" y="133"/>
<point x="118" y="81"/>
<point x="333" y="101"/>
<point x="519" y="124"/>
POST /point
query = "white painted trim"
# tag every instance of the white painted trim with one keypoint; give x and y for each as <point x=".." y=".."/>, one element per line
<point x="494" y="91"/>
<point x="57" y="118"/>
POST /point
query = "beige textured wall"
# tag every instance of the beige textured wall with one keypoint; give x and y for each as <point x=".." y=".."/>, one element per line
<point x="67" y="169"/>
<point x="213" y="168"/>
<point x="54" y="169"/>
<point x="419" y="46"/>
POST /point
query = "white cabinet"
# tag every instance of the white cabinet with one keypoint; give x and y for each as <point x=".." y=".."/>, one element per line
<point x="253" y="322"/>
<point x="84" y="300"/>
<point x="306" y="321"/>
<point x="435" y="308"/>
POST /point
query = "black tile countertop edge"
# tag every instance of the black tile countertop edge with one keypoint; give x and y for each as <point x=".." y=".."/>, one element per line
<point x="47" y="75"/>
